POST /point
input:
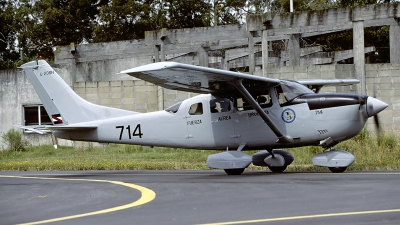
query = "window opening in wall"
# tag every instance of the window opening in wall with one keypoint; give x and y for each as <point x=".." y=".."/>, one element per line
<point x="35" y="115"/>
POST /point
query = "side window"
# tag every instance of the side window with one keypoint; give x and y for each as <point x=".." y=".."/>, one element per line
<point x="280" y="94"/>
<point x="196" y="109"/>
<point x="220" y="105"/>
<point x="242" y="104"/>
<point x="263" y="99"/>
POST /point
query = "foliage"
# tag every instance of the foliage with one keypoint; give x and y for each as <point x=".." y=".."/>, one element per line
<point x="13" y="140"/>
<point x="30" y="29"/>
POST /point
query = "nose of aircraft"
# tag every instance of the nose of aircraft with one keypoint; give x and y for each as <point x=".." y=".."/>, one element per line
<point x="374" y="106"/>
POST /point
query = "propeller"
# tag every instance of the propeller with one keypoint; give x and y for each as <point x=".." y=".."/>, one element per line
<point x="377" y="123"/>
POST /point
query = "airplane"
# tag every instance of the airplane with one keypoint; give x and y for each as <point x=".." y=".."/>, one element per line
<point x="233" y="112"/>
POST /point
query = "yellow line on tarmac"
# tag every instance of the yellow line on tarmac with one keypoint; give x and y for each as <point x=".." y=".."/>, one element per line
<point x="305" y="217"/>
<point x="147" y="196"/>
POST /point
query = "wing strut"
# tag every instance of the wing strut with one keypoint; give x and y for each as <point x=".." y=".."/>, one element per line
<point x="281" y="138"/>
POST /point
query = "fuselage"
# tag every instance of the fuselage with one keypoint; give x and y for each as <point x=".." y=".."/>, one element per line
<point x="209" y="122"/>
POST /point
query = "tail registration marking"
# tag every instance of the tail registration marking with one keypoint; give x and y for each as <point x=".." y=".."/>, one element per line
<point x="136" y="132"/>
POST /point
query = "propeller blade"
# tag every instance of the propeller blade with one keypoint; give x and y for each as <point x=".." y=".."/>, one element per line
<point x="377" y="124"/>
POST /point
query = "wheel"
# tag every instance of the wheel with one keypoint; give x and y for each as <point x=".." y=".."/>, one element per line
<point x="277" y="169"/>
<point x="337" y="169"/>
<point x="234" y="171"/>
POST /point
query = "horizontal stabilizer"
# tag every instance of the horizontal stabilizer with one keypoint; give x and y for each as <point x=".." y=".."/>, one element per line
<point x="45" y="129"/>
<point x="72" y="127"/>
<point x="36" y="129"/>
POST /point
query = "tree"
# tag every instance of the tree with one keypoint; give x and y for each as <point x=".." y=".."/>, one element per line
<point x="8" y="35"/>
<point x="121" y="20"/>
<point x="188" y="13"/>
<point x="72" y="20"/>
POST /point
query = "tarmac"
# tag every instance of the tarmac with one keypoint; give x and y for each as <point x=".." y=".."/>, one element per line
<point x="199" y="197"/>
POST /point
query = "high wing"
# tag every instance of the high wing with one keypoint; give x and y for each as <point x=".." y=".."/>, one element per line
<point x="183" y="77"/>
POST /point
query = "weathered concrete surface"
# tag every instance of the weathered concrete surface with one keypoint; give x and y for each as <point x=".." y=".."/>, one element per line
<point x="15" y="92"/>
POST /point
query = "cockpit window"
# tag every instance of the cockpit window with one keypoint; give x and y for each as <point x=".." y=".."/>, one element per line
<point x="287" y="91"/>
<point x="173" y="108"/>
<point x="220" y="105"/>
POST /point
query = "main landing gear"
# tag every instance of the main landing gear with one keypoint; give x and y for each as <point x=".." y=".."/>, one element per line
<point x="235" y="162"/>
<point x="276" y="160"/>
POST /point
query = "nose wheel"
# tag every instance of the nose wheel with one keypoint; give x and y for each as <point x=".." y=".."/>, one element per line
<point x="234" y="171"/>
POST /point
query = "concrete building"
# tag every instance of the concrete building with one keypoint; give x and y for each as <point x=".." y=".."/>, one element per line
<point x="92" y="69"/>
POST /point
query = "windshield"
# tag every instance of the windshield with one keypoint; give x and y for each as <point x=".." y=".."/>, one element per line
<point x="173" y="108"/>
<point x="291" y="90"/>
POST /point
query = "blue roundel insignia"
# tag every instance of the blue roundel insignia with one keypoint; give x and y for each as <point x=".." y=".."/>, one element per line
<point x="288" y="115"/>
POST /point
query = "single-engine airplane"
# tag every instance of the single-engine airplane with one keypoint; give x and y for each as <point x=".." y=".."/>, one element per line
<point x="233" y="112"/>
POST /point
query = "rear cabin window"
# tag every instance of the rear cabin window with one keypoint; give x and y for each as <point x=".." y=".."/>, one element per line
<point x="196" y="109"/>
<point x="173" y="108"/>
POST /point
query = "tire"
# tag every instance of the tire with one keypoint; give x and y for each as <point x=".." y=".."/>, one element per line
<point x="337" y="169"/>
<point x="277" y="169"/>
<point x="234" y="171"/>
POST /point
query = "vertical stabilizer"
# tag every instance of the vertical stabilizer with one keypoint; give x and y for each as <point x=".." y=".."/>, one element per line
<point x="62" y="104"/>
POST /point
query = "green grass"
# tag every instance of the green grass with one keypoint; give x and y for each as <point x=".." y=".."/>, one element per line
<point x="371" y="154"/>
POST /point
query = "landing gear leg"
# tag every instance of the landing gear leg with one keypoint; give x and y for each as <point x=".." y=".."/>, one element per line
<point x="278" y="157"/>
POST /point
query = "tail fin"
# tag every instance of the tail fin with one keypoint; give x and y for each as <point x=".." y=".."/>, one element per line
<point x="62" y="104"/>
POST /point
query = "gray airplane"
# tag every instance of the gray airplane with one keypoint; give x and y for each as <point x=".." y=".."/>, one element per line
<point x="233" y="112"/>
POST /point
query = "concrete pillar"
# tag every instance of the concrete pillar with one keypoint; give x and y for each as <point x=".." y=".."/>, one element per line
<point x="264" y="45"/>
<point x="73" y="71"/>
<point x="162" y="51"/>
<point x="224" y="61"/>
<point x="164" y="40"/>
<point x="394" y="40"/>
<point x="157" y="53"/>
<point x="294" y="49"/>
<point x="73" y="63"/>
<point x="202" y="53"/>
<point x="252" y="63"/>
<point x="359" y="56"/>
